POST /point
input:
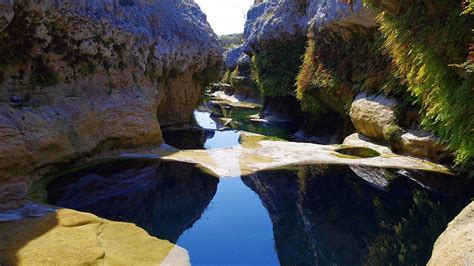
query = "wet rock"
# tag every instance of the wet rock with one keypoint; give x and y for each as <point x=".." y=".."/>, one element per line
<point x="75" y="238"/>
<point x="423" y="144"/>
<point x="371" y="114"/>
<point x="455" y="246"/>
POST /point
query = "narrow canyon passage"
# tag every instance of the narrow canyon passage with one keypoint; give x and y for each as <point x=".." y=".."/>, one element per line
<point x="236" y="132"/>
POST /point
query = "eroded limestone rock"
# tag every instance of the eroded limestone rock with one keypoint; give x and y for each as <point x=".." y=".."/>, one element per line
<point x="455" y="246"/>
<point x="423" y="144"/>
<point x="70" y="237"/>
<point x="277" y="21"/>
<point x="81" y="77"/>
<point x="371" y="114"/>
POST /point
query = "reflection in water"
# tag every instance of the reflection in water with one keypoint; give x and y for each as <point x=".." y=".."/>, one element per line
<point x="204" y="120"/>
<point x="329" y="215"/>
<point x="204" y="137"/>
<point x="236" y="229"/>
<point x="164" y="198"/>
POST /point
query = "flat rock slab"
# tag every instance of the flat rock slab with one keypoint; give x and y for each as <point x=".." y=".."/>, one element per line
<point x="67" y="237"/>
<point x="257" y="153"/>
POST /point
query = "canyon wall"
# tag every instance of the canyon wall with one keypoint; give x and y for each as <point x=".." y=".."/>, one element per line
<point x="398" y="74"/>
<point x="78" y="78"/>
<point x="346" y="61"/>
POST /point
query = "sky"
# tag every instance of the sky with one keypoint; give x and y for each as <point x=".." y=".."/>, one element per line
<point x="226" y="16"/>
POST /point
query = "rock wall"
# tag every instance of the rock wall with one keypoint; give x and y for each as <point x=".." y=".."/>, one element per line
<point x="81" y="77"/>
<point x="281" y="20"/>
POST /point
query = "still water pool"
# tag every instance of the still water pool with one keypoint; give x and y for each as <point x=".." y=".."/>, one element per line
<point x="304" y="215"/>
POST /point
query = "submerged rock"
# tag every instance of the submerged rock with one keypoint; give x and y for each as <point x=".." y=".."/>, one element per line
<point x="96" y="76"/>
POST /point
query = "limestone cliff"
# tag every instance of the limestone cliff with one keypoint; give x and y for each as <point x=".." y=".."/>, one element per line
<point x="82" y="77"/>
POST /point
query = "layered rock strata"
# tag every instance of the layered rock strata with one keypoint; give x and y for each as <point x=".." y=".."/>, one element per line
<point x="81" y="77"/>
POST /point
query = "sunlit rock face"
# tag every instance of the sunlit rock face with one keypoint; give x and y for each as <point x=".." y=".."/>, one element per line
<point x="164" y="198"/>
<point x="284" y="20"/>
<point x="82" y="77"/>
<point x="70" y="237"/>
<point x="455" y="246"/>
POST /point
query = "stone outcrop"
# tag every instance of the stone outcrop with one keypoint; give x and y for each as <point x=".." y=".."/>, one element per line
<point x="239" y="73"/>
<point x="82" y="77"/>
<point x="372" y="114"/>
<point x="375" y="117"/>
<point x="423" y="144"/>
<point x="69" y="237"/>
<point x="455" y="246"/>
<point x="276" y="21"/>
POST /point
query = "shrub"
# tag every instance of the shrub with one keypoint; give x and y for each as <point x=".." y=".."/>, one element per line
<point x="275" y="68"/>
<point x="425" y="41"/>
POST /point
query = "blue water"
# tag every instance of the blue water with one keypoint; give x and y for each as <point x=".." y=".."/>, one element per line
<point x="235" y="228"/>
<point x="204" y="120"/>
<point x="220" y="138"/>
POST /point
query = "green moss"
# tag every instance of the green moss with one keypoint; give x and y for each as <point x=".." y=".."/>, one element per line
<point x="340" y="61"/>
<point x="87" y="70"/>
<point x="393" y="134"/>
<point x="42" y="75"/>
<point x="424" y="41"/>
<point x="275" y="68"/>
<point x="207" y="76"/>
<point x="358" y="152"/>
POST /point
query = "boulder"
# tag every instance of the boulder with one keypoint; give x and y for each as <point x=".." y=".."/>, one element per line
<point x="371" y="114"/>
<point x="455" y="246"/>
<point x="276" y="21"/>
<point x="235" y="57"/>
<point x="423" y="144"/>
<point x="95" y="76"/>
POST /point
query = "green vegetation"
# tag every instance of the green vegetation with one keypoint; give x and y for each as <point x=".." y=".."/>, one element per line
<point x="393" y="134"/>
<point x="275" y="68"/>
<point x="426" y="42"/>
<point x="87" y="70"/>
<point x="232" y="40"/>
<point x="418" y="55"/>
<point x="207" y="76"/>
<point x="409" y="242"/>
<point x="340" y="61"/>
